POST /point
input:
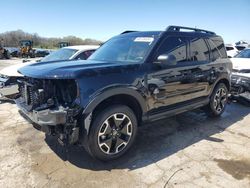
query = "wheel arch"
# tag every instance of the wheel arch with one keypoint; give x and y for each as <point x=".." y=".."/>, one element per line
<point x="224" y="80"/>
<point x="127" y="96"/>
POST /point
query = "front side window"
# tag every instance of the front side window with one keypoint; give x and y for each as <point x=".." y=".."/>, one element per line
<point x="124" y="49"/>
<point x="244" y="54"/>
<point x="176" y="46"/>
<point x="59" y="55"/>
<point x="198" y="50"/>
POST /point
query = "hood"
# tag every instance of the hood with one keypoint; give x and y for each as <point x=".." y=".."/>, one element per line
<point x="12" y="71"/>
<point x="240" y="63"/>
<point x="73" y="69"/>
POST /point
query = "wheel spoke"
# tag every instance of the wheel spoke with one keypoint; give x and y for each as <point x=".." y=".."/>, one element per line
<point x="107" y="141"/>
<point x="118" y="142"/>
<point x="124" y="137"/>
<point x="118" y="119"/>
<point x="106" y="129"/>
<point x="106" y="145"/>
<point x="220" y="92"/>
<point x="117" y="122"/>
<point x="124" y="126"/>
<point x="223" y="101"/>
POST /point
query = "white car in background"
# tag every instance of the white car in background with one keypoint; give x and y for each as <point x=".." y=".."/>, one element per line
<point x="231" y="50"/>
<point x="242" y="44"/>
<point x="10" y="74"/>
<point x="241" y="74"/>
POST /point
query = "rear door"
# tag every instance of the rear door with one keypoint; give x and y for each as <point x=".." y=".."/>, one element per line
<point x="219" y="63"/>
<point x="184" y="81"/>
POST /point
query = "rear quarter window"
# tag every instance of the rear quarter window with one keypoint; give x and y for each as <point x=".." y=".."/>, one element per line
<point x="219" y="45"/>
<point x="198" y="50"/>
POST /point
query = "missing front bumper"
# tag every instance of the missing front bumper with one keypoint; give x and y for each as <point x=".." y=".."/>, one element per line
<point x="44" y="117"/>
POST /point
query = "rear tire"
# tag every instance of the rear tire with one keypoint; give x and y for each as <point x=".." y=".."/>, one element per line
<point x="112" y="132"/>
<point x="218" y="101"/>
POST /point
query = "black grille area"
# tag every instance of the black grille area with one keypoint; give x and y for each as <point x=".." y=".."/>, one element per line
<point x="41" y="94"/>
<point x="37" y="93"/>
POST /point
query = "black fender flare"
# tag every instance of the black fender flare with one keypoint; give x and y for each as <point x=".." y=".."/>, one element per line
<point x="223" y="77"/>
<point x="101" y="96"/>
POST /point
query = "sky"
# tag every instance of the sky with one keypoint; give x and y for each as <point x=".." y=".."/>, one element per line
<point x="103" y="19"/>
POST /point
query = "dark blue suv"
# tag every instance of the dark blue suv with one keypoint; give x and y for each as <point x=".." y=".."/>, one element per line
<point x="133" y="78"/>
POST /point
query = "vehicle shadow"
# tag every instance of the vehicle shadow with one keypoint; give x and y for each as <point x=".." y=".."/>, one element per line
<point x="157" y="141"/>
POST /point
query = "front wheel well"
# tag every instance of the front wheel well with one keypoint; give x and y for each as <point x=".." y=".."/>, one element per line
<point x="226" y="82"/>
<point x="121" y="99"/>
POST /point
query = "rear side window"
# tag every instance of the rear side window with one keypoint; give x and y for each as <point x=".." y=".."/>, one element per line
<point x="176" y="46"/>
<point x="217" y="44"/>
<point x="198" y="50"/>
<point x="215" y="53"/>
<point x="240" y="47"/>
<point x="229" y="48"/>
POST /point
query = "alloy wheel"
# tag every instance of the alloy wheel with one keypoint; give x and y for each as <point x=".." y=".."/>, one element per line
<point x="220" y="100"/>
<point x="115" y="133"/>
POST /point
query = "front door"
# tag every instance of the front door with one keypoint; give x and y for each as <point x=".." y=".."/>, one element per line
<point x="187" y="80"/>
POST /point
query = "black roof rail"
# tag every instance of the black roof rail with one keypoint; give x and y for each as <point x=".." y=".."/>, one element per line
<point x="127" y="32"/>
<point x="178" y="28"/>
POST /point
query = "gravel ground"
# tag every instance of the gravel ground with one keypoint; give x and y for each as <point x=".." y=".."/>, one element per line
<point x="7" y="62"/>
<point x="188" y="150"/>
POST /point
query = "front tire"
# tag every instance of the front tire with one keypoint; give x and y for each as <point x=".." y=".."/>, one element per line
<point x="112" y="132"/>
<point x="218" y="101"/>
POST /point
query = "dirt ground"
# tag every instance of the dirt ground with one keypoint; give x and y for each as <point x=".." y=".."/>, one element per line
<point x="188" y="150"/>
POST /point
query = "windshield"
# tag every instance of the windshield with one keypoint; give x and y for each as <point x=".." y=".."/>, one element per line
<point x="244" y="54"/>
<point x="61" y="54"/>
<point x="124" y="49"/>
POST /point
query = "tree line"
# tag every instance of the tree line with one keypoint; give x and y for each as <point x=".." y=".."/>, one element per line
<point x="12" y="38"/>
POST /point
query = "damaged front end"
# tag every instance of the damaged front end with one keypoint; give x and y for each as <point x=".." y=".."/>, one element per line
<point x="241" y="85"/>
<point x="53" y="105"/>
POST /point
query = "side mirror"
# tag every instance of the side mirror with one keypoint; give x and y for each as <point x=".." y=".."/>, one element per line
<point x="166" y="59"/>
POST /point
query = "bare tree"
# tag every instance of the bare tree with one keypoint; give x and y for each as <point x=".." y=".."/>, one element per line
<point x="12" y="38"/>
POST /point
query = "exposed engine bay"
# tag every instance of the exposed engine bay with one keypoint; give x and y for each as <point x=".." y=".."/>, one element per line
<point x="42" y="94"/>
<point x="51" y="105"/>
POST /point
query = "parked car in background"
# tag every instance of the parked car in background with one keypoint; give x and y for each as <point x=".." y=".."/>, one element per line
<point x="241" y="45"/>
<point x="81" y="52"/>
<point x="4" y="53"/>
<point x="39" y="52"/>
<point x="9" y="75"/>
<point x="133" y="78"/>
<point x="241" y="75"/>
<point x="14" y="52"/>
<point x="231" y="50"/>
